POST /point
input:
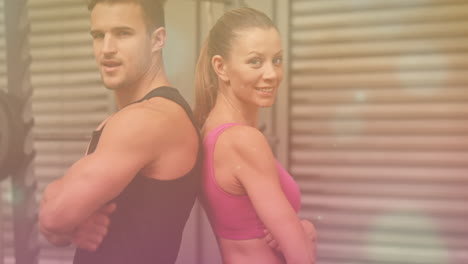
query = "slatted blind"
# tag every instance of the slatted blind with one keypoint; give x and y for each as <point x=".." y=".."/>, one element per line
<point x="4" y="209"/>
<point x="3" y="81"/>
<point x="69" y="100"/>
<point x="379" y="128"/>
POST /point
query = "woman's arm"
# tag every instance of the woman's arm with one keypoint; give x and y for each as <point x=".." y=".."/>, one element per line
<point x="309" y="230"/>
<point x="254" y="166"/>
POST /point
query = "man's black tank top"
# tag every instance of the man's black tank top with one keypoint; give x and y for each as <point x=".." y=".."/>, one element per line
<point x="151" y="214"/>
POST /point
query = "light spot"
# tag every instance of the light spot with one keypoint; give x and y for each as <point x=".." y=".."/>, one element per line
<point x="360" y="96"/>
<point x="438" y="78"/>
<point x="387" y="240"/>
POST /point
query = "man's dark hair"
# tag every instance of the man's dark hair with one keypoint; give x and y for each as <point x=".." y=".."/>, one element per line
<point x="153" y="10"/>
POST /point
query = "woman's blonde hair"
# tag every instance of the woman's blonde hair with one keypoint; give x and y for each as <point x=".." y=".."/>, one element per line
<point x="219" y="42"/>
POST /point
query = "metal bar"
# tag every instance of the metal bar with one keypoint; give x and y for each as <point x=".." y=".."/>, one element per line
<point x="217" y="1"/>
<point x="19" y="85"/>
<point x="2" y="231"/>
<point x="62" y="137"/>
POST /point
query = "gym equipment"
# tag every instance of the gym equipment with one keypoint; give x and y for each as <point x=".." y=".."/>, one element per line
<point x="11" y="135"/>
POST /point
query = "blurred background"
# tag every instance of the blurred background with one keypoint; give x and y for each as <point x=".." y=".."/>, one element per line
<point x="371" y="120"/>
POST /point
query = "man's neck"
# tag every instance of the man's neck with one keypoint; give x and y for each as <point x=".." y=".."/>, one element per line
<point x="136" y="91"/>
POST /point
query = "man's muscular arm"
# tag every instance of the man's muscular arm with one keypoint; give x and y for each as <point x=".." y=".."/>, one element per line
<point x="125" y="147"/>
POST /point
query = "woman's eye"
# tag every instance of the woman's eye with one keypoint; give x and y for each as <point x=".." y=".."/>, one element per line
<point x="278" y="61"/>
<point x="255" y="62"/>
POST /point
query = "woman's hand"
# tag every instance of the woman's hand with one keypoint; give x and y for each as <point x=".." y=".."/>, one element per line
<point x="309" y="230"/>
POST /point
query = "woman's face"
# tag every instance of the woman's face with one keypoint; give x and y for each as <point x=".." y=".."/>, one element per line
<point x="255" y="66"/>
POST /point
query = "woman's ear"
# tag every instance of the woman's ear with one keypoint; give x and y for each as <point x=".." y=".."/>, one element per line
<point x="158" y="39"/>
<point x="219" y="66"/>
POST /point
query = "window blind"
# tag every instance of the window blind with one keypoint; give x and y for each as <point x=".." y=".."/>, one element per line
<point x="378" y="128"/>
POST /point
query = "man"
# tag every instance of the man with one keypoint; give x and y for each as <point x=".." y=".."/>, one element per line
<point x="142" y="167"/>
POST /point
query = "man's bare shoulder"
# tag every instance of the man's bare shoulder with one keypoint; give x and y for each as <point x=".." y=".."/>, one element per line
<point x="132" y="129"/>
<point x="158" y="118"/>
<point x="136" y="117"/>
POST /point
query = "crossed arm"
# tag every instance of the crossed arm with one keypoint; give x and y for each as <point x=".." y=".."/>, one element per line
<point x="79" y="200"/>
<point x="309" y="230"/>
<point x="259" y="177"/>
<point x="89" y="234"/>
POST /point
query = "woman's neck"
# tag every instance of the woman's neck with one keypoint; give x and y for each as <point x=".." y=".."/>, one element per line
<point x="228" y="110"/>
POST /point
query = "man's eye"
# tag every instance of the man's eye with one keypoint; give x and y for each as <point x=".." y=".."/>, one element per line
<point x="124" y="33"/>
<point x="97" y="35"/>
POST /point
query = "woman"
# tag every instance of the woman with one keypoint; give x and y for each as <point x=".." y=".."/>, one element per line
<point x="245" y="190"/>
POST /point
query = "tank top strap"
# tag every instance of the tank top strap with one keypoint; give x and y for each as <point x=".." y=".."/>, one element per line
<point x="167" y="92"/>
<point x="172" y="94"/>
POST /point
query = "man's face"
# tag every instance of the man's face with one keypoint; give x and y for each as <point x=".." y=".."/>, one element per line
<point x="122" y="46"/>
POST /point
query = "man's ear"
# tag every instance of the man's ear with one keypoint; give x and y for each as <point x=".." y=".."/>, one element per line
<point x="158" y="39"/>
<point x="219" y="66"/>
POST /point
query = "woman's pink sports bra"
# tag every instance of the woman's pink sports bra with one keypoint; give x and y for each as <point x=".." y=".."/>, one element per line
<point x="233" y="216"/>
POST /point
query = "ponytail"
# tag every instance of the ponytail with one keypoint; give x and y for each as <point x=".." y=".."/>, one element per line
<point x="206" y="83"/>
